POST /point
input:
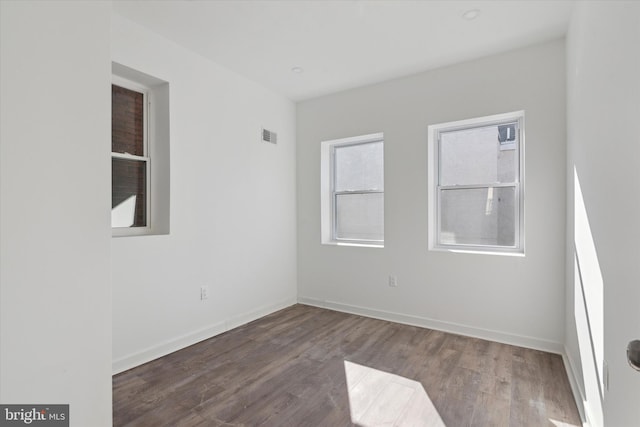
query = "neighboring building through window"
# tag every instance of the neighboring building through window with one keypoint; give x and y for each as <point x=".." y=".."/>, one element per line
<point x="476" y="184"/>
<point x="353" y="190"/>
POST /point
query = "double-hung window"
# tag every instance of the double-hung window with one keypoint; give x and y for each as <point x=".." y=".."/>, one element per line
<point x="353" y="190"/>
<point x="140" y="153"/>
<point x="476" y="184"/>
<point x="130" y="161"/>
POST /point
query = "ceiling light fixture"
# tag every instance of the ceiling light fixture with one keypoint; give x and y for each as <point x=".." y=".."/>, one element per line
<point x="471" y="14"/>
<point x="297" y="70"/>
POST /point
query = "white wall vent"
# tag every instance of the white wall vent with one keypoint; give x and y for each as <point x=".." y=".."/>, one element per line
<point x="269" y="136"/>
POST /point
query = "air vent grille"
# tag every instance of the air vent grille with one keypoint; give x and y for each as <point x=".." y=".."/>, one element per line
<point x="269" y="136"/>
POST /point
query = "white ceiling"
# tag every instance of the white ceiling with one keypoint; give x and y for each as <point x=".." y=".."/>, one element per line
<point x="346" y="43"/>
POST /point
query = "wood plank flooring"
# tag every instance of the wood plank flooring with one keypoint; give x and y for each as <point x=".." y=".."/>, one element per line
<point x="306" y="366"/>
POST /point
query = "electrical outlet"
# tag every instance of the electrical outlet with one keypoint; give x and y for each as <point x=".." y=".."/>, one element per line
<point x="204" y="293"/>
<point x="393" y="281"/>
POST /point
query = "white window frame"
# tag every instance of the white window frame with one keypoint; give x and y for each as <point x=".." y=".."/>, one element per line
<point x="146" y="103"/>
<point x="329" y="195"/>
<point x="435" y="189"/>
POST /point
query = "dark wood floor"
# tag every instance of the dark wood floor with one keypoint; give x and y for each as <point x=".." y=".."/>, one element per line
<point x="305" y="366"/>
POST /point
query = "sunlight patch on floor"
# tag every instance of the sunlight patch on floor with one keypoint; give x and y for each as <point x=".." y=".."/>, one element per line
<point x="380" y="398"/>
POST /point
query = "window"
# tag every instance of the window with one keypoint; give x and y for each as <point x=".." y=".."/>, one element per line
<point x="130" y="162"/>
<point x="353" y="191"/>
<point x="139" y="153"/>
<point x="476" y="184"/>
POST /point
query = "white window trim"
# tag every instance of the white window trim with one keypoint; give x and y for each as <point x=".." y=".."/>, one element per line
<point x="146" y="102"/>
<point x="327" y="193"/>
<point x="433" y="150"/>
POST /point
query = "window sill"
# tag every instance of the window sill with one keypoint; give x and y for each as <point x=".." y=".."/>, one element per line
<point x="132" y="232"/>
<point x="478" y="251"/>
<point x="355" y="244"/>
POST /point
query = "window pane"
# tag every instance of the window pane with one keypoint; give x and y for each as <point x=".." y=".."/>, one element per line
<point x="360" y="216"/>
<point x="483" y="155"/>
<point x="127" y="128"/>
<point x="359" y="167"/>
<point x="128" y="193"/>
<point x="481" y="216"/>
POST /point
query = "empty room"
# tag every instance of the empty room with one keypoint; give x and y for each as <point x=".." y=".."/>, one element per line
<point x="319" y="213"/>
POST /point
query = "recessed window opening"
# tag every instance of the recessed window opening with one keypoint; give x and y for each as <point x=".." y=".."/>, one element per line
<point x="476" y="184"/>
<point x="353" y="191"/>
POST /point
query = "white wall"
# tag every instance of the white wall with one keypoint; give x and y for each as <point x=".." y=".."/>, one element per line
<point x="603" y="123"/>
<point x="232" y="207"/>
<point x="55" y="293"/>
<point x="513" y="299"/>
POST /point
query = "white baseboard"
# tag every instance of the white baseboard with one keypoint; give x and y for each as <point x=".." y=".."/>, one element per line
<point x="250" y="316"/>
<point x="178" y="343"/>
<point x="455" y="328"/>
